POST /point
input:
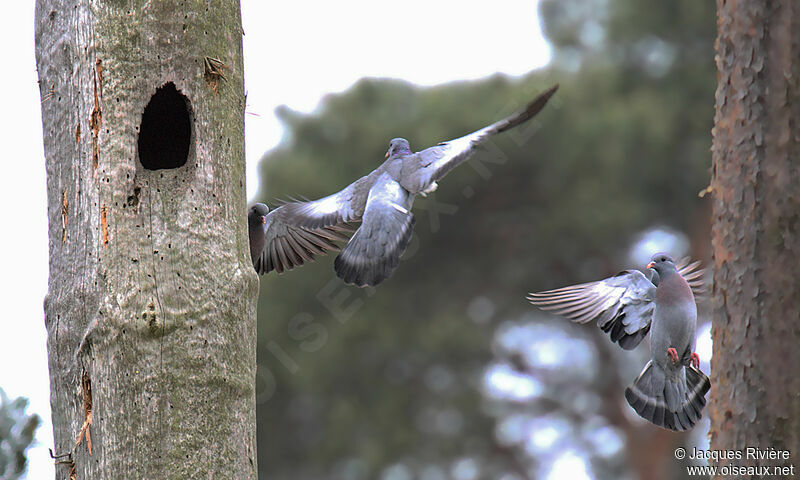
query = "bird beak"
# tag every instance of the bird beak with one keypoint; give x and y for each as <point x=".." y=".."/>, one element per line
<point x="387" y="154"/>
<point x="651" y="264"/>
<point x="264" y="219"/>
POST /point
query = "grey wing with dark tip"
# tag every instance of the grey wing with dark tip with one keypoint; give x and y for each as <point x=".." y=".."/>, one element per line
<point x="435" y="162"/>
<point x="298" y="231"/>
<point x="374" y="251"/>
<point x="621" y="305"/>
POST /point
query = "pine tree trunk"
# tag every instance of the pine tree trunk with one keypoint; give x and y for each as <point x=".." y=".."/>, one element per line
<point x="150" y="311"/>
<point x="756" y="232"/>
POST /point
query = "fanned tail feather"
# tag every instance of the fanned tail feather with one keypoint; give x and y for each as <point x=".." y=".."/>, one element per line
<point x="671" y="402"/>
<point x="363" y="261"/>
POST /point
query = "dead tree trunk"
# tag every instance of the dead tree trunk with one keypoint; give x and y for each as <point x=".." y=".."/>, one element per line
<point x="150" y="311"/>
<point x="756" y="232"/>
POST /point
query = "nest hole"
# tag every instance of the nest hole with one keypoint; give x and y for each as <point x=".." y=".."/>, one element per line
<point x="166" y="130"/>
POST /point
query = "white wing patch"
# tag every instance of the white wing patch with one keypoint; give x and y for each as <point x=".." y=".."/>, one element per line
<point x="324" y="206"/>
<point x="400" y="209"/>
<point x="336" y="205"/>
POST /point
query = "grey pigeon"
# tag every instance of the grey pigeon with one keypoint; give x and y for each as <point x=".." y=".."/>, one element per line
<point x="256" y="219"/>
<point x="670" y="391"/>
<point x="297" y="231"/>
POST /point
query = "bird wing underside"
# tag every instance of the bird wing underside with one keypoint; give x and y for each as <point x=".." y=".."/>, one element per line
<point x="293" y="246"/>
<point x="299" y="231"/>
<point x="621" y="305"/>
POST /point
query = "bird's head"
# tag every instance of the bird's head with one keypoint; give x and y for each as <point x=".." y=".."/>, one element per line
<point x="398" y="146"/>
<point x="257" y="214"/>
<point x="662" y="263"/>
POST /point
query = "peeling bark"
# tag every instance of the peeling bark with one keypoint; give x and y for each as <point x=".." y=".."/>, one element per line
<point x="151" y="304"/>
<point x="755" y="398"/>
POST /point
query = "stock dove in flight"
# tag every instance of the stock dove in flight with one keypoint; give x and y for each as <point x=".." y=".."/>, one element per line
<point x="295" y="232"/>
<point x="670" y="391"/>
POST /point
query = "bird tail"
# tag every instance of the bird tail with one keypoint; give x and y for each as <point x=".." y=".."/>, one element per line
<point x="672" y="401"/>
<point x="373" y="253"/>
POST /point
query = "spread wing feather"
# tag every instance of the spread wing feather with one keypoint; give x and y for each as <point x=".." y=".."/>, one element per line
<point x="433" y="163"/>
<point x="297" y="231"/>
<point x="621" y="305"/>
<point x="693" y="274"/>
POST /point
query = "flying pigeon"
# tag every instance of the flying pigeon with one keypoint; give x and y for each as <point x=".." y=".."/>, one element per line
<point x="296" y="231"/>
<point x="670" y="391"/>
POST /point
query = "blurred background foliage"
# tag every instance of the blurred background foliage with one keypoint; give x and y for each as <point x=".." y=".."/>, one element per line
<point x="17" y="430"/>
<point x="444" y="371"/>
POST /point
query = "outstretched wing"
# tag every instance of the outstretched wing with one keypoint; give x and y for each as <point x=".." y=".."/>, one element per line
<point x="622" y="305"/>
<point x="374" y="250"/>
<point x="694" y="275"/>
<point x="433" y="163"/>
<point x="298" y="231"/>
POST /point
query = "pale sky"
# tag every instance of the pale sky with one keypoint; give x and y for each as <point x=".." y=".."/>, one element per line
<point x="295" y="53"/>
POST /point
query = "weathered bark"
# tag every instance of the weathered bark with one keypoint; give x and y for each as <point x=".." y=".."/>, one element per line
<point x="756" y="232"/>
<point x="151" y="299"/>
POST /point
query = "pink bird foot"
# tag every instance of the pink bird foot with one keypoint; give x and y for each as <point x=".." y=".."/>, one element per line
<point x="673" y="354"/>
<point x="695" y="361"/>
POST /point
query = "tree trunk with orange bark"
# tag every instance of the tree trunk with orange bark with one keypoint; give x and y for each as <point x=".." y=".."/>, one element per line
<point x="756" y="231"/>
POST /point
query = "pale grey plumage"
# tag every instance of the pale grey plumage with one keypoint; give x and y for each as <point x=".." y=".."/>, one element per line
<point x="622" y="305"/>
<point x="373" y="252"/>
<point x="627" y="307"/>
<point x="382" y="200"/>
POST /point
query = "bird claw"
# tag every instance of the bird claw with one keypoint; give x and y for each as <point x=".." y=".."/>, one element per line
<point x="694" y="360"/>
<point x="673" y="354"/>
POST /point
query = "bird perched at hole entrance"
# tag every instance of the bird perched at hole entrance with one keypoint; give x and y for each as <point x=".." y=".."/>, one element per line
<point x="296" y="231"/>
<point x="670" y="391"/>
